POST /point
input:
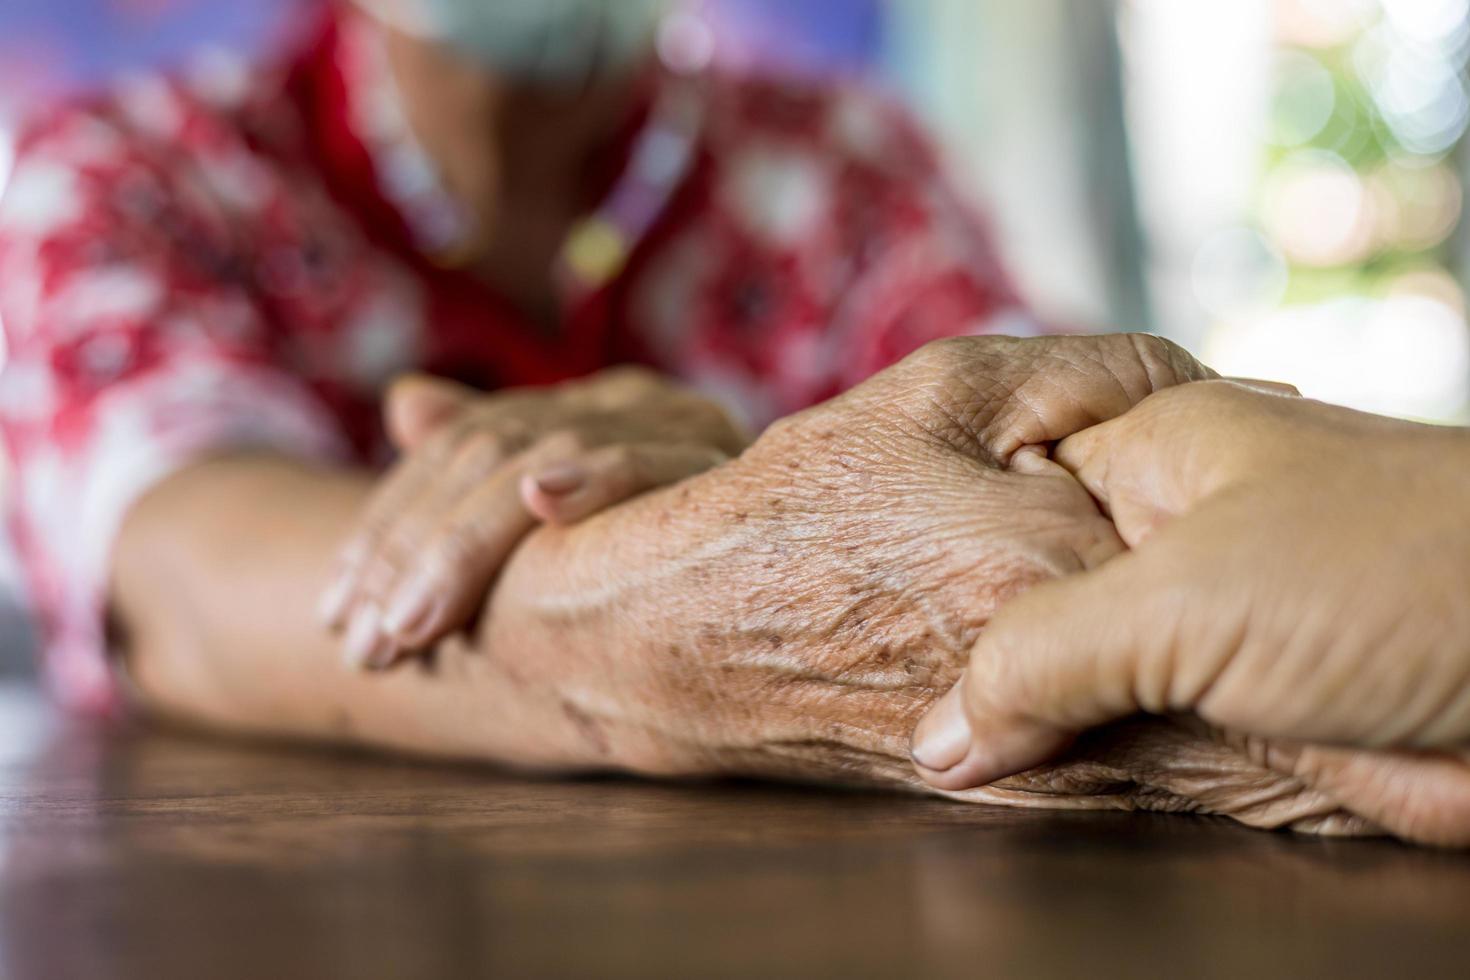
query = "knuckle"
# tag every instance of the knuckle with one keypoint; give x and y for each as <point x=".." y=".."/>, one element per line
<point x="634" y="374"/>
<point x="1164" y="362"/>
<point x="367" y="539"/>
<point x="950" y="386"/>
<point x="947" y="353"/>
<point x="405" y="536"/>
<point x="379" y="573"/>
<point x="1149" y="346"/>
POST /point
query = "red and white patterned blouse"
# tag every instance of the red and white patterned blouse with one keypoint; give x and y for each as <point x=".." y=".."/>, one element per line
<point x="244" y="257"/>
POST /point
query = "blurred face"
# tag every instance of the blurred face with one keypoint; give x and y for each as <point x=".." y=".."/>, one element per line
<point x="452" y="105"/>
<point x="511" y="94"/>
<point x="553" y="43"/>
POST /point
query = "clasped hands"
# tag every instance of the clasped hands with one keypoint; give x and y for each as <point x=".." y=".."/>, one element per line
<point x="843" y="569"/>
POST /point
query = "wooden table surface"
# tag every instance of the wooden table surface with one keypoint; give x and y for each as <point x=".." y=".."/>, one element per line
<point x="140" y="854"/>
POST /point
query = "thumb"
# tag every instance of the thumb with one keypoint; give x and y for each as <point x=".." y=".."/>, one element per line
<point x="1178" y="447"/>
<point x="1065" y="656"/>
<point x="567" y="491"/>
<point x="418" y="405"/>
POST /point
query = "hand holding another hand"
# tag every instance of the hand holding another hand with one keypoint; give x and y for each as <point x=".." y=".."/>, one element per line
<point x="1300" y="577"/>
<point x="792" y="613"/>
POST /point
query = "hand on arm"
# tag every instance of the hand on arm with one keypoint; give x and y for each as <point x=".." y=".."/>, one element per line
<point x="793" y="612"/>
<point x="789" y="613"/>
<point x="217" y="568"/>
<point x="214" y="582"/>
<point x="480" y="471"/>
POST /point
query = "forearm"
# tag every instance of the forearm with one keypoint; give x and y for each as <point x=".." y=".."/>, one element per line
<point x="215" y="580"/>
<point x="791" y="611"/>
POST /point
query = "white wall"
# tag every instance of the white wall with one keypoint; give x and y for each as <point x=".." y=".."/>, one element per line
<point x="993" y="77"/>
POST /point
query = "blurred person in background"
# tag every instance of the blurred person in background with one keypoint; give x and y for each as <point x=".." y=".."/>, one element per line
<point x="490" y="191"/>
<point x="209" y="282"/>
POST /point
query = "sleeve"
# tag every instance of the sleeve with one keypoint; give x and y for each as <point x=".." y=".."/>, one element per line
<point x="132" y="347"/>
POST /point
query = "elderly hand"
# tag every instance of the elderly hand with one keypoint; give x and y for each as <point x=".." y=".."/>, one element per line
<point x="793" y="612"/>
<point x="1300" y="577"/>
<point x="480" y="471"/>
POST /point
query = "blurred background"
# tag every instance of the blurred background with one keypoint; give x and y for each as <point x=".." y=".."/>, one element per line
<point x="1277" y="184"/>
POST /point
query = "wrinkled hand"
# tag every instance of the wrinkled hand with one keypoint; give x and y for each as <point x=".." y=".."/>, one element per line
<point x="480" y="471"/>
<point x="1301" y="575"/>
<point x="796" y="610"/>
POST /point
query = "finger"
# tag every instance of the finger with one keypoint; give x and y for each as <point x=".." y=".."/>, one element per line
<point x="408" y="480"/>
<point x="477" y="458"/>
<point x="454" y="568"/>
<point x="439" y="588"/>
<point x="1063" y="657"/>
<point x="1132" y="469"/>
<point x="1416" y="795"/>
<point x="1102" y="544"/>
<point x="418" y="405"/>
<point x="568" y="491"/>
<point x="1078" y="382"/>
<point x="1175" y="449"/>
<point x="399" y="486"/>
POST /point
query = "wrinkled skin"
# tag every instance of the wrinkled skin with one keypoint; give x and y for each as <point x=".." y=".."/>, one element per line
<point x="794" y="612"/>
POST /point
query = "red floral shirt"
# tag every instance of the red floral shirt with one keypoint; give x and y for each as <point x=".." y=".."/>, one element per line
<point x="240" y="257"/>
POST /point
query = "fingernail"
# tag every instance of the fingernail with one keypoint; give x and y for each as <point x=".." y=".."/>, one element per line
<point x="365" y="640"/>
<point x="942" y="738"/>
<point x="409" y="606"/>
<point x="334" y="600"/>
<point x="561" y="478"/>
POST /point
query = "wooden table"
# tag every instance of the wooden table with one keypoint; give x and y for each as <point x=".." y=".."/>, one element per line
<point x="160" y="855"/>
